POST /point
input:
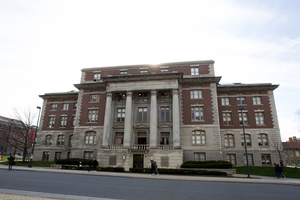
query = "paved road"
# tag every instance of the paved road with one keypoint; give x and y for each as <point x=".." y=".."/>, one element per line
<point x="131" y="188"/>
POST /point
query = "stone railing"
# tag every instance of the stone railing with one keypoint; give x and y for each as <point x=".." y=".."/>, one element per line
<point x="165" y="147"/>
<point x="139" y="146"/>
<point x="115" y="146"/>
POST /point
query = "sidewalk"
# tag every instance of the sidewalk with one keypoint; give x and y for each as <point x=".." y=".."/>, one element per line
<point x="236" y="178"/>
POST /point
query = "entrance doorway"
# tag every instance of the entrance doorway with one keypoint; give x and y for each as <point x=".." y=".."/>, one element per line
<point x="138" y="160"/>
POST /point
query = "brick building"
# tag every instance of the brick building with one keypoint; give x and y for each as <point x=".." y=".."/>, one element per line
<point x="172" y="113"/>
<point x="291" y="151"/>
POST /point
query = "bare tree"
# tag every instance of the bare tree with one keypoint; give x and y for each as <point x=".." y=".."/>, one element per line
<point x="18" y="137"/>
<point x="276" y="143"/>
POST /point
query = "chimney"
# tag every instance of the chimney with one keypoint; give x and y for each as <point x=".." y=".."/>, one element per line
<point x="294" y="139"/>
<point x="290" y="139"/>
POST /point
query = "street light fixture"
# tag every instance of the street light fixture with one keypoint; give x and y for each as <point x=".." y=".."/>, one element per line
<point x="33" y="143"/>
<point x="245" y="143"/>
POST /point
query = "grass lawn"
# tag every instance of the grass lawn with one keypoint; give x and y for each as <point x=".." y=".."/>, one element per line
<point x="268" y="171"/>
<point x="34" y="163"/>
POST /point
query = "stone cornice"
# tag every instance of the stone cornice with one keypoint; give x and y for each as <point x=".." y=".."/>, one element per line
<point x="60" y="95"/>
<point x="246" y="87"/>
<point x="213" y="79"/>
<point x="122" y="67"/>
<point x="90" y="85"/>
<point x="143" y="77"/>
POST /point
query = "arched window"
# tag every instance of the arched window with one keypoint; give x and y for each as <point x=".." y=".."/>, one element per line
<point x="90" y="137"/>
<point x="229" y="140"/>
<point x="48" y="140"/>
<point x="263" y="139"/>
<point x="60" y="140"/>
<point x="248" y="140"/>
<point x="70" y="140"/>
<point x="198" y="137"/>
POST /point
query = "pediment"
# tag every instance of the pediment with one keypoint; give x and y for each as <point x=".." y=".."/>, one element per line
<point x="141" y="125"/>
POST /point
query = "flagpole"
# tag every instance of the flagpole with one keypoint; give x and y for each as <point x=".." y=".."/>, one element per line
<point x="33" y="143"/>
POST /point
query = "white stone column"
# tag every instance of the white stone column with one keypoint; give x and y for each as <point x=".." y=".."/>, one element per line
<point x="128" y="121"/>
<point x="107" y="121"/>
<point x="176" y="121"/>
<point x="153" y="121"/>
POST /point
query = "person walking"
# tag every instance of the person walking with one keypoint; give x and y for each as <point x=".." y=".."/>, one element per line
<point x="152" y="168"/>
<point x="155" y="165"/>
<point x="95" y="165"/>
<point x="90" y="165"/>
<point x="280" y="171"/>
<point x="10" y="162"/>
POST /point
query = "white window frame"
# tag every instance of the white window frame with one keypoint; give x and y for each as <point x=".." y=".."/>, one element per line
<point x="225" y="101"/>
<point x="198" y="137"/>
<point x="92" y="115"/>
<point x="197" y="113"/>
<point x="196" y="94"/>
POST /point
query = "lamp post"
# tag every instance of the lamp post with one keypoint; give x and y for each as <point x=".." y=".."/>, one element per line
<point x="245" y="143"/>
<point x="33" y="143"/>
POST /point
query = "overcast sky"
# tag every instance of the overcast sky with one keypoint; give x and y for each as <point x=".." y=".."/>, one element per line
<point x="45" y="44"/>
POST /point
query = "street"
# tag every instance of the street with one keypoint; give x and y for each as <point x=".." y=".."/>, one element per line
<point x="136" y="189"/>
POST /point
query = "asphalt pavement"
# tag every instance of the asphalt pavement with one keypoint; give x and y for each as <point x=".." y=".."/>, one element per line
<point x="235" y="178"/>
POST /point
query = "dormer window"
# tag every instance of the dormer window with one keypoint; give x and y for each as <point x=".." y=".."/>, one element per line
<point x="164" y="69"/>
<point x="97" y="76"/>
<point x="195" y="71"/>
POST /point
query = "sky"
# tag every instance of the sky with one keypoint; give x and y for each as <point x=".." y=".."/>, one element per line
<point x="45" y="44"/>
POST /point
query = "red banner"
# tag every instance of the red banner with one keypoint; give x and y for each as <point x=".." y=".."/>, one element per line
<point x="32" y="134"/>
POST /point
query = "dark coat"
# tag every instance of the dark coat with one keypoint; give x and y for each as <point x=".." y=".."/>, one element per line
<point x="11" y="160"/>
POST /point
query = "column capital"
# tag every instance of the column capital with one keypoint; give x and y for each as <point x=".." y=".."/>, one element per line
<point x="128" y="93"/>
<point x="108" y="94"/>
<point x="175" y="91"/>
<point x="153" y="92"/>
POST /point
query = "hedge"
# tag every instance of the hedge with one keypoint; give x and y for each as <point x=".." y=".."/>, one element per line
<point x="221" y="164"/>
<point x="72" y="161"/>
<point x="179" y="171"/>
<point x="111" y="169"/>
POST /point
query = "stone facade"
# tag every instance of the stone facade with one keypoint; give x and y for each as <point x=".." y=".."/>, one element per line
<point x="173" y="112"/>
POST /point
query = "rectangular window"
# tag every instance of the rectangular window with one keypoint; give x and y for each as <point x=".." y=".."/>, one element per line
<point x="225" y="101"/>
<point x="88" y="154"/>
<point x="256" y="100"/>
<point x="231" y="158"/>
<point x="97" y="76"/>
<point x="63" y="121"/>
<point x="250" y="159"/>
<point x="164" y="69"/>
<point x="73" y="120"/>
<point x="195" y="71"/>
<point x="199" y="157"/>
<point x="53" y="106"/>
<point x="297" y="153"/>
<point x="51" y="122"/>
<point x="198" y="137"/>
<point x="65" y="106"/>
<point x="57" y="156"/>
<point x="241" y="101"/>
<point x="196" y="94"/>
<point x="245" y="116"/>
<point x="92" y="115"/>
<point x="143" y="71"/>
<point x="164" y="138"/>
<point x="227" y="119"/>
<point x="119" y="138"/>
<point x="123" y="71"/>
<point x="165" y="96"/>
<point x="165" y="113"/>
<point x="197" y="113"/>
<point x="266" y="159"/>
<point x="293" y="162"/>
<point x="45" y="156"/>
<point x="143" y="97"/>
<point x="291" y="153"/>
<point x="142" y="115"/>
<point x="259" y="118"/>
<point x="120" y="114"/>
<point x="94" y="98"/>
<point x="48" y="140"/>
<point x="75" y="105"/>
<point x="90" y="137"/>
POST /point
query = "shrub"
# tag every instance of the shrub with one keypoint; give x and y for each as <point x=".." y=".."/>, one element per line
<point x="72" y="161"/>
<point x="221" y="164"/>
<point x="111" y="169"/>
